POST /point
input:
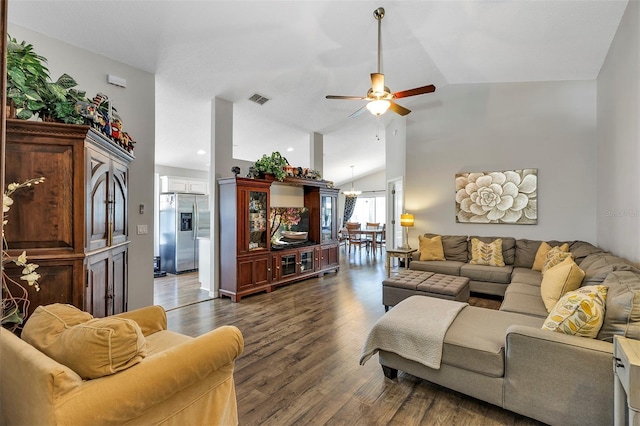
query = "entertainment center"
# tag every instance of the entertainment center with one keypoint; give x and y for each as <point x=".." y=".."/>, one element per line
<point x="249" y="262"/>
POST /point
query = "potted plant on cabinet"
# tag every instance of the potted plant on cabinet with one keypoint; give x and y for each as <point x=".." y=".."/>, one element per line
<point x="30" y="90"/>
<point x="274" y="164"/>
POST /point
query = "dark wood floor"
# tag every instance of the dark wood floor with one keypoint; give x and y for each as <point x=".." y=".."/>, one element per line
<point x="302" y="347"/>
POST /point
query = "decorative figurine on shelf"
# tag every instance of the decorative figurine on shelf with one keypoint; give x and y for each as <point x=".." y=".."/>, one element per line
<point x="103" y="118"/>
<point x="235" y="170"/>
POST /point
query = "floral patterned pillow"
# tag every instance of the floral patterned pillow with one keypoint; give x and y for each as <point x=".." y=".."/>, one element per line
<point x="579" y="312"/>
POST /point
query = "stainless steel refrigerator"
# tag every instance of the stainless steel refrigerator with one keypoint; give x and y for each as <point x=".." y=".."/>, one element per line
<point x="183" y="219"/>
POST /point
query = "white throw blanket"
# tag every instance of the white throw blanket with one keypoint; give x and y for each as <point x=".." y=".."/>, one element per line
<point x="413" y="329"/>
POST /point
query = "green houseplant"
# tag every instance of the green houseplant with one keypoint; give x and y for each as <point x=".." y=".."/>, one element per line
<point x="274" y="164"/>
<point x="31" y="91"/>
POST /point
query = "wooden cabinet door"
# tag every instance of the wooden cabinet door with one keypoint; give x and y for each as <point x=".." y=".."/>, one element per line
<point x="106" y="201"/>
<point x="107" y="282"/>
<point x="97" y="204"/>
<point x="329" y="257"/>
<point x="119" y="272"/>
<point x="98" y="284"/>
<point x="253" y="271"/>
<point x="118" y="201"/>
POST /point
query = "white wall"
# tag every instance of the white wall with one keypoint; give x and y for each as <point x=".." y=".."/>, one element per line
<point x="135" y="104"/>
<point x="618" y="141"/>
<point x="491" y="127"/>
<point x="180" y="172"/>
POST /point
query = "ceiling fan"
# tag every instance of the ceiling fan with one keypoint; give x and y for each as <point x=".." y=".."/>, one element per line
<point x="379" y="96"/>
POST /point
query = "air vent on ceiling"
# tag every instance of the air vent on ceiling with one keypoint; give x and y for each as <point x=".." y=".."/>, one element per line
<point x="259" y="99"/>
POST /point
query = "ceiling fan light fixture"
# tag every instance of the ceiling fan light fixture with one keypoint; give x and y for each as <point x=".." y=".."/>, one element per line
<point x="378" y="107"/>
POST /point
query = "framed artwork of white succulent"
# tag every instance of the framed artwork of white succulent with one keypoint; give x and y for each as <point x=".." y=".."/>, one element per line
<point x="497" y="197"/>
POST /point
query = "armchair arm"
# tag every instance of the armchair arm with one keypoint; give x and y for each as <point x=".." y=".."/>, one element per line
<point x="136" y="391"/>
<point x="151" y="319"/>
<point x="548" y="372"/>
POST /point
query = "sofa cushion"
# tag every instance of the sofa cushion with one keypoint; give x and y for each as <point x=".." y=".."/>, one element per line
<point x="476" y="339"/>
<point x="541" y="255"/>
<point x="447" y="267"/>
<point x="524" y="299"/>
<point x="581" y="249"/>
<point x="579" y="312"/>
<point x="454" y="247"/>
<point x="562" y="278"/>
<point x="555" y="256"/>
<point x="491" y="274"/>
<point x="93" y="348"/>
<point x="431" y="248"/>
<point x="526" y="252"/>
<point x="488" y="254"/>
<point x="622" y="313"/>
<point x="597" y="266"/>
<point x="526" y="276"/>
<point x="508" y="247"/>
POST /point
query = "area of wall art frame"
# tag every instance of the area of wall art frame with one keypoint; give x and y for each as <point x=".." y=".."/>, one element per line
<point x="509" y="196"/>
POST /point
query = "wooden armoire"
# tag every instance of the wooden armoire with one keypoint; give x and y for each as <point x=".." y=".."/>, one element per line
<point x="74" y="225"/>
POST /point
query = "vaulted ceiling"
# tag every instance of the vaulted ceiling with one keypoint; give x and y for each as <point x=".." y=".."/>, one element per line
<point x="295" y="53"/>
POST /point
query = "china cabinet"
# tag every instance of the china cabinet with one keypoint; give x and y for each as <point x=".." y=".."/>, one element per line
<point x="248" y="262"/>
<point x="74" y="225"/>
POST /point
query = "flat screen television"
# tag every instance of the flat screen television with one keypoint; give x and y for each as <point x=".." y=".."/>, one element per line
<point x="289" y="225"/>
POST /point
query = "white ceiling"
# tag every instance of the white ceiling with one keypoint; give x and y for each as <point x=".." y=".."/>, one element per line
<point x="295" y="53"/>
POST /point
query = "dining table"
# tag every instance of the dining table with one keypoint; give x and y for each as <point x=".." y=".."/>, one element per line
<point x="372" y="232"/>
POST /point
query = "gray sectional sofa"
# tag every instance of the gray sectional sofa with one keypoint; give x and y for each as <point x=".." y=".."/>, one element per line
<point x="504" y="357"/>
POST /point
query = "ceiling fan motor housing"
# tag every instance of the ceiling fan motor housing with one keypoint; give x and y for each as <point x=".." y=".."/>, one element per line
<point x="379" y="96"/>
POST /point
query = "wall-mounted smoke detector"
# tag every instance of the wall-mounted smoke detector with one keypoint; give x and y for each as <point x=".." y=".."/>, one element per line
<point x="259" y="99"/>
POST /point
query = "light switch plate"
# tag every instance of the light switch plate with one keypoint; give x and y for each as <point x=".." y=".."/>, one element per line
<point x="143" y="230"/>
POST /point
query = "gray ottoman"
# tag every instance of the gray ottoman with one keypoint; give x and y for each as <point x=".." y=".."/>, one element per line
<point x="410" y="283"/>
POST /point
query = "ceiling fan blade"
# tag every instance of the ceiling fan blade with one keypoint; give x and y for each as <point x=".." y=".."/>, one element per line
<point x="377" y="82"/>
<point x="358" y="112"/>
<point x="398" y="109"/>
<point x="413" y="92"/>
<point x="344" y="97"/>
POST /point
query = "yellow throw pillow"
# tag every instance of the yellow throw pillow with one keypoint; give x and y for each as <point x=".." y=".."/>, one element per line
<point x="47" y="322"/>
<point x="486" y="254"/>
<point x="100" y="347"/>
<point x="554" y="257"/>
<point x="92" y="347"/>
<point x="562" y="278"/>
<point x="579" y="312"/>
<point x="431" y="248"/>
<point x="541" y="254"/>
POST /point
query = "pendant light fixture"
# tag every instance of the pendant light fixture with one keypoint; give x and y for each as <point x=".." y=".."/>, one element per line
<point x="353" y="192"/>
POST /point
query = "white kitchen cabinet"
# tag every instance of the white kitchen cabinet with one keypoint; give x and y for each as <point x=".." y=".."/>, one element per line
<point x="185" y="185"/>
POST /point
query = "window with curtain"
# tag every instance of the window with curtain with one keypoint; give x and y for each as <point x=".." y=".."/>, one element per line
<point x="369" y="209"/>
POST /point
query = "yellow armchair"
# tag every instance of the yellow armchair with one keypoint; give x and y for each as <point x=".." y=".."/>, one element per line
<point x="182" y="380"/>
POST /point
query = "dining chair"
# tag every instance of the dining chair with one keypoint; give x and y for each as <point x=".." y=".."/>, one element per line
<point x="373" y="226"/>
<point x="343" y="237"/>
<point x="381" y="240"/>
<point x="356" y="238"/>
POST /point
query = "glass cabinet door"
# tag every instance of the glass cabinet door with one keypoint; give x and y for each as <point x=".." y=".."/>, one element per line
<point x="257" y="206"/>
<point x="326" y="217"/>
<point x="288" y="265"/>
<point x="306" y="261"/>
